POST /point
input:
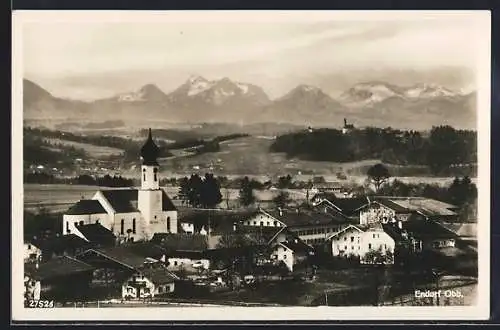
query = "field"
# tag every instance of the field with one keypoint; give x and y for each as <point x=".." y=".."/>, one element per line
<point x="94" y="151"/>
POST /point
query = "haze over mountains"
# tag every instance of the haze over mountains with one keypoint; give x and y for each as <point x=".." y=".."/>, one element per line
<point x="198" y="100"/>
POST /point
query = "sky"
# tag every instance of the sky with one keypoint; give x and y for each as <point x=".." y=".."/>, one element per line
<point x="93" y="56"/>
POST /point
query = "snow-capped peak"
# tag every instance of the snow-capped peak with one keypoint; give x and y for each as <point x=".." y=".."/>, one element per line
<point x="369" y="92"/>
<point x="308" y="88"/>
<point x="197" y="85"/>
<point x="427" y="91"/>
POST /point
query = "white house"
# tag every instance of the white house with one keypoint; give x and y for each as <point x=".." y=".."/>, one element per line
<point x="356" y="241"/>
<point x="132" y="214"/>
<point x="31" y="252"/>
<point x="148" y="283"/>
<point x="264" y="219"/>
<point x="291" y="252"/>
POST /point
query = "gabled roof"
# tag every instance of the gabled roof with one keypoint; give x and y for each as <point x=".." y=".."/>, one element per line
<point x="147" y="249"/>
<point x="96" y="233"/>
<point x="267" y="233"/>
<point x="122" y="255"/>
<point x="177" y="242"/>
<point x="297" y="246"/>
<point x="462" y="229"/>
<point x="220" y="221"/>
<point x="125" y="200"/>
<point x="306" y="217"/>
<point x="57" y="267"/>
<point x="427" y="229"/>
<point x="159" y="275"/>
<point x="392" y="205"/>
<point x="122" y="200"/>
<point x="60" y="244"/>
<point x="86" y="206"/>
<point x="393" y="231"/>
<point x="344" y="230"/>
<point x="425" y="206"/>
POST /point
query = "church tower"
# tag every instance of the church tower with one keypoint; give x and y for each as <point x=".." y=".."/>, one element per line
<point x="150" y="196"/>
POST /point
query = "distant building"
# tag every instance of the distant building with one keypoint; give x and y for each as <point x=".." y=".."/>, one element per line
<point x="347" y="127"/>
<point x="32" y="253"/>
<point x="148" y="283"/>
<point x="130" y="214"/>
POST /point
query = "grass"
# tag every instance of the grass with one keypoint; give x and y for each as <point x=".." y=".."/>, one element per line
<point x="93" y="150"/>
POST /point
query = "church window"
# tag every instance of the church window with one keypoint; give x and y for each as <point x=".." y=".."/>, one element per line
<point x="133" y="226"/>
<point x="155" y="172"/>
<point x="67" y="227"/>
<point x="168" y="223"/>
<point x="122" y="227"/>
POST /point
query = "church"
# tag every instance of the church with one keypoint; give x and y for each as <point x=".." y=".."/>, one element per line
<point x="130" y="214"/>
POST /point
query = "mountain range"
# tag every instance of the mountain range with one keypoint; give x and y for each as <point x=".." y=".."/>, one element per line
<point x="200" y="100"/>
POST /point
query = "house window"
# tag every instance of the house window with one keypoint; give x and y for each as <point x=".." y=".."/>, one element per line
<point x="352" y="238"/>
<point x="254" y="223"/>
<point x="167" y="288"/>
<point x="133" y="226"/>
<point x="345" y="247"/>
<point x="345" y="238"/>
<point x="76" y="223"/>
<point x="29" y="246"/>
<point x="144" y="174"/>
<point x="122" y="227"/>
<point x="369" y="246"/>
<point x="155" y="172"/>
<point x="175" y="263"/>
<point x="97" y="221"/>
<point x="284" y="256"/>
<point x="262" y="223"/>
<point x="160" y="289"/>
<point x="276" y="223"/>
<point x="81" y="223"/>
<point x="373" y="235"/>
<point x="352" y="247"/>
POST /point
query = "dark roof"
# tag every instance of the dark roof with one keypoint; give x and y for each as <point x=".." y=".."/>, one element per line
<point x="86" y="206"/>
<point x="150" y="151"/>
<point x="306" y="217"/>
<point x="220" y="221"/>
<point x="123" y="255"/>
<point x="298" y="246"/>
<point x="60" y="244"/>
<point x="159" y="275"/>
<point x="348" y="206"/>
<point x="264" y="232"/>
<point x="167" y="205"/>
<point x="125" y="200"/>
<point x="96" y="233"/>
<point x="180" y="242"/>
<point x="427" y="229"/>
<point x="393" y="231"/>
<point x="122" y="200"/>
<point x="147" y="249"/>
<point x="57" y="267"/>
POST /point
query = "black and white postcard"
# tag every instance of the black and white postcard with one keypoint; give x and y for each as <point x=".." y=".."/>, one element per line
<point x="250" y="165"/>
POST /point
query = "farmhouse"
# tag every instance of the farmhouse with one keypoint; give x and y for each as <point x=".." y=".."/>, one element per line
<point x="149" y="282"/>
<point x="60" y="245"/>
<point x="130" y="214"/>
<point x="348" y="207"/>
<point x="291" y="252"/>
<point x="358" y="242"/>
<point x="32" y="253"/>
<point x="383" y="210"/>
<point x="60" y="278"/>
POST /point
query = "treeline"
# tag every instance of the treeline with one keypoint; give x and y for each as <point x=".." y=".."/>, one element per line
<point x="203" y="145"/>
<point x="103" y="181"/>
<point x="36" y="150"/>
<point x="443" y="148"/>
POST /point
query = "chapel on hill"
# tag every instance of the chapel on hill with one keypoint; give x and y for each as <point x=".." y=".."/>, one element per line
<point x="130" y="214"/>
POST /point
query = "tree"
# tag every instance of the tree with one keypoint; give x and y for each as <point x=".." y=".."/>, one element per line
<point x="210" y="195"/>
<point x="246" y="196"/>
<point x="378" y="175"/>
<point x="282" y="199"/>
<point x="184" y="190"/>
<point x="194" y="190"/>
<point x="462" y="191"/>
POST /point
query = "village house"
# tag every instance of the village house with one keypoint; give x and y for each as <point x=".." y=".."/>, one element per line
<point x="60" y="245"/>
<point x="32" y="253"/>
<point x="130" y="214"/>
<point x="292" y="252"/>
<point x="383" y="210"/>
<point x="148" y="283"/>
<point x="358" y="241"/>
<point x="326" y="188"/>
<point x="349" y="207"/>
<point x="61" y="279"/>
<point x="184" y="251"/>
<point x="432" y="234"/>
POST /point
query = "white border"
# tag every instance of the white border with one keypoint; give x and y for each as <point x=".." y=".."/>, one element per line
<point x="478" y="312"/>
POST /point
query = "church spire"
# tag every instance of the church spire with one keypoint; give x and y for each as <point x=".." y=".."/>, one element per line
<point x="150" y="151"/>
